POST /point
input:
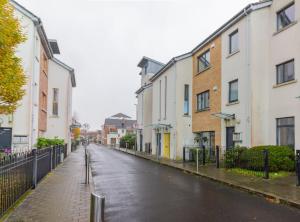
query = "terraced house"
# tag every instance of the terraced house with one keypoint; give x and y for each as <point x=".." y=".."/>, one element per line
<point x="19" y="131"/>
<point x="172" y="108"/>
<point x="260" y="54"/>
<point x="149" y="67"/>
<point x="245" y="89"/>
<point x="207" y="92"/>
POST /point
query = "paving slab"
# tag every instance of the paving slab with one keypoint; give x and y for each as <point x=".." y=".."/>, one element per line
<point x="61" y="196"/>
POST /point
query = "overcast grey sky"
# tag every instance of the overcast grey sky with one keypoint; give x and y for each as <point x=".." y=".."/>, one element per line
<point x="105" y="39"/>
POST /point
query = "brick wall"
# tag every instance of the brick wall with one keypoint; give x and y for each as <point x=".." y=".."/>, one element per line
<point x="43" y="92"/>
<point x="210" y="79"/>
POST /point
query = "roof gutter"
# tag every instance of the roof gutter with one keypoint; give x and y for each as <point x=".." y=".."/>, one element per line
<point x="169" y="64"/>
<point x="244" y="12"/>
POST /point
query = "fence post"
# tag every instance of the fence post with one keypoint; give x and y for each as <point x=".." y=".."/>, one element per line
<point x="218" y="156"/>
<point x="34" y="168"/>
<point x="266" y="164"/>
<point x="203" y="155"/>
<point x="183" y="156"/>
<point x="54" y="155"/>
<point x="197" y="159"/>
<point x="51" y="158"/>
<point x="298" y="166"/>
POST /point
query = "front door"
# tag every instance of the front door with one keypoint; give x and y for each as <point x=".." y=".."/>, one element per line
<point x="141" y="142"/>
<point x="5" y="138"/>
<point x="229" y="137"/>
<point x="167" y="145"/>
<point x="158" y="143"/>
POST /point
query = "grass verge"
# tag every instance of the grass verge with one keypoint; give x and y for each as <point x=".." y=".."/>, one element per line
<point x="272" y="175"/>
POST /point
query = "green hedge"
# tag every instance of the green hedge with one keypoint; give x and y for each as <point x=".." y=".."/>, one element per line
<point x="232" y="157"/>
<point x="46" y="142"/>
<point x="130" y="139"/>
<point x="281" y="158"/>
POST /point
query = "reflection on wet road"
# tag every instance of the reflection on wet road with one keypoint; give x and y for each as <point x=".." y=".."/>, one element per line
<point x="141" y="190"/>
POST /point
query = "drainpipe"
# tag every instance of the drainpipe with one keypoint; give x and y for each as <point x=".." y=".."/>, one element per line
<point x="249" y="122"/>
<point x="175" y="103"/>
<point x="33" y="86"/>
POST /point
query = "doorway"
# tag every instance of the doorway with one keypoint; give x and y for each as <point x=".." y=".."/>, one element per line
<point x="158" y="143"/>
<point x="167" y="145"/>
<point x="229" y="137"/>
<point x="5" y="138"/>
<point x="141" y="142"/>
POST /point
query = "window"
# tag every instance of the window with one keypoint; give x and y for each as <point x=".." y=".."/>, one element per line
<point x="285" y="72"/>
<point x="286" y="131"/>
<point x="203" y="101"/>
<point x="55" y="102"/>
<point x="234" y="42"/>
<point x="159" y="105"/>
<point x="204" y="61"/>
<point x="186" y="100"/>
<point x="166" y="88"/>
<point x="233" y="91"/>
<point x="286" y="16"/>
<point x="146" y="69"/>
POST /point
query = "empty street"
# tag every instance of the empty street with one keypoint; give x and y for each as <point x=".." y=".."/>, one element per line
<point x="140" y="190"/>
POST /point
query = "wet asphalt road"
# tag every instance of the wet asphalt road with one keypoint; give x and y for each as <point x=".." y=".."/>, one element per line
<point x="141" y="190"/>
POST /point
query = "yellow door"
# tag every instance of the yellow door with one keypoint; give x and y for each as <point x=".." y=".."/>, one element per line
<point x="167" y="145"/>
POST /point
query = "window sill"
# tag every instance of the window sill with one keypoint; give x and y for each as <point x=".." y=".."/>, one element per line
<point x="232" y="54"/>
<point x="285" y="83"/>
<point x="186" y="115"/>
<point x="203" y="70"/>
<point x="203" y="110"/>
<point x="285" y="28"/>
<point x="233" y="103"/>
<point x="54" y="116"/>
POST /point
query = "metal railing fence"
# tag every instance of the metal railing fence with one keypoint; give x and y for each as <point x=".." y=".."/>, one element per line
<point x="22" y="171"/>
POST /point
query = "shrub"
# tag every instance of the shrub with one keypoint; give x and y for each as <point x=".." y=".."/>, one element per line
<point x="46" y="142"/>
<point x="281" y="158"/>
<point x="128" y="139"/>
<point x="232" y="157"/>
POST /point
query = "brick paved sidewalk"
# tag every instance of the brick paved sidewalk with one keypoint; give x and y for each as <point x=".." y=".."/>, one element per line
<point x="61" y="196"/>
<point x="281" y="190"/>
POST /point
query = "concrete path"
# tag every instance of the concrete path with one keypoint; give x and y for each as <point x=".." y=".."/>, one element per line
<point x="140" y="190"/>
<point x="61" y="196"/>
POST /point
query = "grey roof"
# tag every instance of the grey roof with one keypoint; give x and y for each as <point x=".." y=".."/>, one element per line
<point x="39" y="25"/>
<point x="71" y="70"/>
<point x="121" y="115"/>
<point x="169" y="64"/>
<point x="120" y="123"/>
<point x="145" y="59"/>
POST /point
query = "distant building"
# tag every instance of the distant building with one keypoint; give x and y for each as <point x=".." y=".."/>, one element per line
<point x="94" y="136"/>
<point x="115" y="127"/>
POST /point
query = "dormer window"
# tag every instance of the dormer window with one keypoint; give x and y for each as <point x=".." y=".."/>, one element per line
<point x="286" y="16"/>
<point x="146" y="69"/>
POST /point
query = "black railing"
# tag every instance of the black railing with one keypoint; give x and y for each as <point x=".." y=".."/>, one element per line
<point x="203" y="155"/>
<point x="21" y="172"/>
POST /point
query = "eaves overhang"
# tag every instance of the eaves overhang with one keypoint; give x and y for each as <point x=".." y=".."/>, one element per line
<point x="170" y="64"/>
<point x="143" y="88"/>
<point x="38" y="24"/>
<point x="145" y="59"/>
<point x="243" y="13"/>
<point x="70" y="69"/>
